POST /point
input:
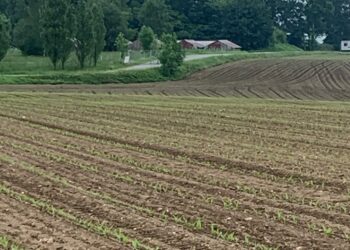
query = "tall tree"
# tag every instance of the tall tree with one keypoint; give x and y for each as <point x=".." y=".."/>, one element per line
<point x="156" y="14"/>
<point x="338" y="27"/>
<point x="116" y="16"/>
<point x="84" y="39"/>
<point x="4" y="36"/>
<point x="3" y="6"/>
<point x="122" y="45"/>
<point x="318" y="13"/>
<point x="147" y="38"/>
<point x="99" y="31"/>
<point x="57" y="32"/>
<point x="247" y="22"/>
<point x="71" y="29"/>
<point x="293" y="21"/>
<point x="27" y="30"/>
<point x="197" y="19"/>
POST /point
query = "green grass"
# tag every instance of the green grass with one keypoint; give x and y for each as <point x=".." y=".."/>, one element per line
<point x="6" y="243"/>
<point x="282" y="47"/>
<point x="18" y="69"/>
<point x="18" y="64"/>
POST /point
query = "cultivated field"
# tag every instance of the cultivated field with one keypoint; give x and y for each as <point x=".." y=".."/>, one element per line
<point x="82" y="171"/>
<point x="310" y="77"/>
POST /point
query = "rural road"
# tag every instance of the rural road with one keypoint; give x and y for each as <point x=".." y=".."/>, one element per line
<point x="155" y="64"/>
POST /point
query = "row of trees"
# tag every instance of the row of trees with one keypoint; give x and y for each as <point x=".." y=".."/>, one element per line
<point x="67" y="26"/>
<point x="247" y="22"/>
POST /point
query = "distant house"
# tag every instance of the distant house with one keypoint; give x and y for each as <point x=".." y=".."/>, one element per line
<point x="191" y="44"/>
<point x="135" y="45"/>
<point x="345" y="46"/>
<point x="210" y="44"/>
<point x="224" y="45"/>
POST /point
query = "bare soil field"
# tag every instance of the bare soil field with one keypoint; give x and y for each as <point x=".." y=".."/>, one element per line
<point x="303" y="78"/>
<point x="82" y="171"/>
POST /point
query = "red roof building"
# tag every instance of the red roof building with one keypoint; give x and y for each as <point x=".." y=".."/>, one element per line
<point x="224" y="45"/>
<point x="218" y="44"/>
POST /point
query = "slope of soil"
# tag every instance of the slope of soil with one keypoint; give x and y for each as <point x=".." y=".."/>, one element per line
<point x="288" y="78"/>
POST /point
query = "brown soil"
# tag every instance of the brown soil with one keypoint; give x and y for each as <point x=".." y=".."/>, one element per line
<point x="36" y="230"/>
<point x="293" y="78"/>
<point x="154" y="166"/>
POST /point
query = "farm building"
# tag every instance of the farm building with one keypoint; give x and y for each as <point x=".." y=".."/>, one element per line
<point x="224" y="45"/>
<point x="214" y="44"/>
<point x="191" y="44"/>
<point x="345" y="45"/>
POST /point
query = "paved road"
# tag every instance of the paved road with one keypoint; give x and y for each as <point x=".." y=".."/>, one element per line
<point x="155" y="64"/>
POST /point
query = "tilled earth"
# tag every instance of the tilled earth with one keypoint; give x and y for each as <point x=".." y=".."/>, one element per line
<point x="82" y="171"/>
<point x="287" y="78"/>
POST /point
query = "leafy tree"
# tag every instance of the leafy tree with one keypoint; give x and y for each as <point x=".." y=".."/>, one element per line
<point x="278" y="36"/>
<point x="156" y="15"/>
<point x="68" y="45"/>
<point x="15" y="10"/>
<point x="247" y="22"/>
<point x="84" y="39"/>
<point x="338" y="26"/>
<point x="4" y="36"/>
<point x="317" y="14"/>
<point x="3" y="6"/>
<point x="146" y="37"/>
<point x="171" y="55"/>
<point x="28" y="28"/>
<point x="99" y="31"/>
<point x="122" y="45"/>
<point x="57" y="32"/>
<point x="116" y="16"/>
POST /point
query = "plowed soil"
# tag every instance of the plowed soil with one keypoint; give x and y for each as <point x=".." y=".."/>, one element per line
<point x="81" y="171"/>
<point x="287" y="78"/>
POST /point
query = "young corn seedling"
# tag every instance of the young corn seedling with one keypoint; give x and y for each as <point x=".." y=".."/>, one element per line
<point x="280" y="216"/>
<point x="135" y="244"/>
<point x="220" y="234"/>
<point x="312" y="227"/>
<point x="198" y="224"/>
<point x="327" y="231"/>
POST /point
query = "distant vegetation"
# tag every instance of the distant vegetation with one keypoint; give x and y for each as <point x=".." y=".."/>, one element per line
<point x="250" y="23"/>
<point x="36" y="70"/>
<point x="74" y="33"/>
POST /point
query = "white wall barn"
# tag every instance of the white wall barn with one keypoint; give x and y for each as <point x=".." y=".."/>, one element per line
<point x="345" y="45"/>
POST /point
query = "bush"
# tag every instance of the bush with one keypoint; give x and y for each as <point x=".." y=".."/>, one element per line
<point x="171" y="55"/>
<point x="326" y="47"/>
<point x="278" y="37"/>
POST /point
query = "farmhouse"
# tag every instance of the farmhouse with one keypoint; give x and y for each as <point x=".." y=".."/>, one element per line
<point x="224" y="45"/>
<point x="191" y="44"/>
<point x="345" y="45"/>
<point x="210" y="44"/>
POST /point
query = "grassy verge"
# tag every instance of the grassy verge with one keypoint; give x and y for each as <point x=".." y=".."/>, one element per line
<point x="105" y="75"/>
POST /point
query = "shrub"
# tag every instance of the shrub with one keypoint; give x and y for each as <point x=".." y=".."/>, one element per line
<point x="171" y="55"/>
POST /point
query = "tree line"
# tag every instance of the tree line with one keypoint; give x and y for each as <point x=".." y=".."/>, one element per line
<point x="89" y="26"/>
